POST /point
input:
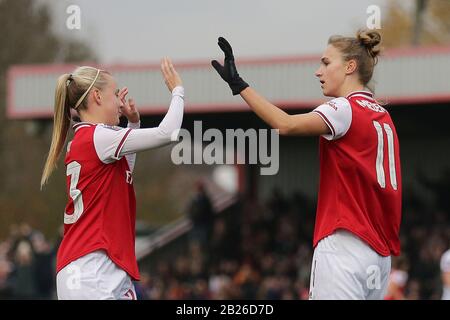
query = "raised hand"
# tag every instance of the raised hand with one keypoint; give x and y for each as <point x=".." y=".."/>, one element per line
<point x="171" y="77"/>
<point x="228" y="71"/>
<point x="128" y="108"/>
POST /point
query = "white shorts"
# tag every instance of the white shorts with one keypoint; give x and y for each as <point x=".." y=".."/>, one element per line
<point x="346" y="268"/>
<point x="94" y="277"/>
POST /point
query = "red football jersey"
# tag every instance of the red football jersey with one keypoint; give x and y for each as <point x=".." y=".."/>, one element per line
<point x="101" y="210"/>
<point x="360" y="180"/>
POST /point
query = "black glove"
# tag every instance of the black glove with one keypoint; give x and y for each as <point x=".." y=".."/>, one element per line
<point x="228" y="71"/>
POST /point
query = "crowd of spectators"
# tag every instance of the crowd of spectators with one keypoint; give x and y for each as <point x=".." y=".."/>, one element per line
<point x="256" y="251"/>
<point x="264" y="251"/>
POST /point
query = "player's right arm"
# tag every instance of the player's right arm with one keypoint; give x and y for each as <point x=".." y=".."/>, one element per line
<point x="301" y="124"/>
<point x="113" y="143"/>
<point x="308" y="124"/>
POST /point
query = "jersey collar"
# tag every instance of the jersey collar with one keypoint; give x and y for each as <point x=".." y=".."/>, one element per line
<point x="365" y="94"/>
<point x="80" y="125"/>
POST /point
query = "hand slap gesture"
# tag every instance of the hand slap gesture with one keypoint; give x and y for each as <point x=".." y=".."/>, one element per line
<point x="171" y="77"/>
<point x="228" y="71"/>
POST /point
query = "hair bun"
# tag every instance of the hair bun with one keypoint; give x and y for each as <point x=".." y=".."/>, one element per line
<point x="370" y="39"/>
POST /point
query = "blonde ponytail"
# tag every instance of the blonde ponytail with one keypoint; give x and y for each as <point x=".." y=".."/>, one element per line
<point x="61" y="123"/>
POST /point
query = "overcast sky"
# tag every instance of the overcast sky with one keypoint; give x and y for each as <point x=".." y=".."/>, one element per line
<point x="143" y="31"/>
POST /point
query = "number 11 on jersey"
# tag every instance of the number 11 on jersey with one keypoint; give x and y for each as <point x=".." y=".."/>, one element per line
<point x="380" y="155"/>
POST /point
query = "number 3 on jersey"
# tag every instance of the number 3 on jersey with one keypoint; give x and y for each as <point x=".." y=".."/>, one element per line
<point x="380" y="155"/>
<point x="73" y="170"/>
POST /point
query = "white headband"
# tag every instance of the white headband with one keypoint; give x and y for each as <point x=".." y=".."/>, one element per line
<point x="84" y="94"/>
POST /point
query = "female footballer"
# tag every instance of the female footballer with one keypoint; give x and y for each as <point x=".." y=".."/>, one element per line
<point x="359" y="201"/>
<point x="96" y="258"/>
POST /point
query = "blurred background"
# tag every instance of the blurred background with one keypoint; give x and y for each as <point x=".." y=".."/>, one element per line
<point x="221" y="231"/>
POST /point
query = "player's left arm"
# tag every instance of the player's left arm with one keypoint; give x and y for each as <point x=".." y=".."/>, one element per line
<point x="130" y="111"/>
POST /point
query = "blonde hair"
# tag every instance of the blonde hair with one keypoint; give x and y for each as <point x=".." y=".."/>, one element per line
<point x="364" y="48"/>
<point x="71" y="91"/>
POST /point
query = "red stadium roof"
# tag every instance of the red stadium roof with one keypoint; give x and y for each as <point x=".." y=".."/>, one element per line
<point x="403" y="76"/>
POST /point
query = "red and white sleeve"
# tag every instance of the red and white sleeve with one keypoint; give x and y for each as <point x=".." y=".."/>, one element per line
<point x="337" y="114"/>
<point x="109" y="141"/>
<point x="112" y="143"/>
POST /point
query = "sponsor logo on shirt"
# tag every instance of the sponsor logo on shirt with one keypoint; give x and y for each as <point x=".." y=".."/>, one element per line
<point x="332" y="104"/>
